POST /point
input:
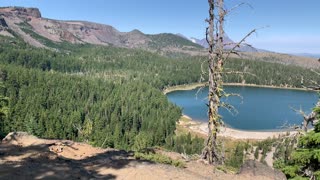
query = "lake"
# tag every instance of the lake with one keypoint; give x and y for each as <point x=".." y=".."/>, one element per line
<point x="259" y="108"/>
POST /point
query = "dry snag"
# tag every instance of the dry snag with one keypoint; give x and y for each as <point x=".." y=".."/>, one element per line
<point x="211" y="151"/>
<point x="215" y="34"/>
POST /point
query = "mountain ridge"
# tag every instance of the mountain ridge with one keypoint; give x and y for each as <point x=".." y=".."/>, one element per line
<point x="229" y="45"/>
<point x="21" y="20"/>
<point x="29" y="25"/>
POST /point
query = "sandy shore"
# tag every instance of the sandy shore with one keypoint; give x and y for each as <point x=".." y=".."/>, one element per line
<point x="202" y="128"/>
<point x="196" y="85"/>
<point x="183" y="87"/>
<point x="267" y="86"/>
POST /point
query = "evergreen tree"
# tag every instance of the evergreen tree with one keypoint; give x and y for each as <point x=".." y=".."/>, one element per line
<point x="4" y="111"/>
<point x="305" y="160"/>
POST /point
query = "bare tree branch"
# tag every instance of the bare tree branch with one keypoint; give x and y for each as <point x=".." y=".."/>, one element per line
<point x="237" y="6"/>
<point x="239" y="43"/>
<point x="307" y="119"/>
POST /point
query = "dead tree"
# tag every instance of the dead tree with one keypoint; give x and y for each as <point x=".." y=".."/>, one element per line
<point x="217" y="56"/>
<point x="211" y="151"/>
<point x="310" y="118"/>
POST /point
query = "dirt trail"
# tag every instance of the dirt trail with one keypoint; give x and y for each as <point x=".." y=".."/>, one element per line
<point x="26" y="157"/>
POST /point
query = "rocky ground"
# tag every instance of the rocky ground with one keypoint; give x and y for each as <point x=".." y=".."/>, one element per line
<point x="26" y="157"/>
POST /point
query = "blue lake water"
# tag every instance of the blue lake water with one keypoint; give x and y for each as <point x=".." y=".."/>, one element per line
<point x="259" y="109"/>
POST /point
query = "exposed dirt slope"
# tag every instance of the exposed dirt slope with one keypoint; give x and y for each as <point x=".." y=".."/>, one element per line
<point x="26" y="157"/>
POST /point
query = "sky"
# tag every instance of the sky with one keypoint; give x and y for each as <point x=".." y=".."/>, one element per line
<point x="291" y="26"/>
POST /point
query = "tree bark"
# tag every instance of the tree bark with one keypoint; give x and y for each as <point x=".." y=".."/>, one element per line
<point x="211" y="152"/>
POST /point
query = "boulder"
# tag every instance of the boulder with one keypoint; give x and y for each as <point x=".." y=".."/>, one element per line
<point x="20" y="138"/>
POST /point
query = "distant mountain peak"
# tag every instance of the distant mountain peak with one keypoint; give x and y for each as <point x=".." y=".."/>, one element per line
<point x="229" y="44"/>
<point x="194" y="40"/>
<point x="201" y="42"/>
<point x="181" y="35"/>
<point x="136" y="31"/>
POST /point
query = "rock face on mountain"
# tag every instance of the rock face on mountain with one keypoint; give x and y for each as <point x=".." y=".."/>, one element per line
<point x="20" y="11"/>
<point x="3" y="23"/>
<point x="33" y="12"/>
<point x="26" y="21"/>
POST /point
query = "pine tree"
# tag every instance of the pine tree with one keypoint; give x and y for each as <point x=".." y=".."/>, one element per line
<point x="305" y="160"/>
<point x="4" y="111"/>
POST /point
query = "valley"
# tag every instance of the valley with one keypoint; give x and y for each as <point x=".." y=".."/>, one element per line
<point x="106" y="90"/>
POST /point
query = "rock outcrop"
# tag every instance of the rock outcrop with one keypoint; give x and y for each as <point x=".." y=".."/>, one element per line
<point x="3" y="23"/>
<point x="21" y="11"/>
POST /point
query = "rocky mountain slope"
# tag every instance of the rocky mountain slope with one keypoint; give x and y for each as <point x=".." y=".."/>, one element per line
<point x="26" y="22"/>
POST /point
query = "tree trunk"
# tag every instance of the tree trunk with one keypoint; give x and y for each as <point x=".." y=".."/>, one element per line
<point x="211" y="151"/>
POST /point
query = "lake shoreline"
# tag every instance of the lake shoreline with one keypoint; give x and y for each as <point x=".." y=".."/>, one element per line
<point x="192" y="86"/>
<point x="202" y="129"/>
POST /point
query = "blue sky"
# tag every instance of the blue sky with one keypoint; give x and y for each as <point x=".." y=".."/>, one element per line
<point x="293" y="24"/>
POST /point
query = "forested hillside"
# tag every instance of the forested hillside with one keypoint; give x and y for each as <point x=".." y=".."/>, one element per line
<point x="55" y="105"/>
<point x="109" y="96"/>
